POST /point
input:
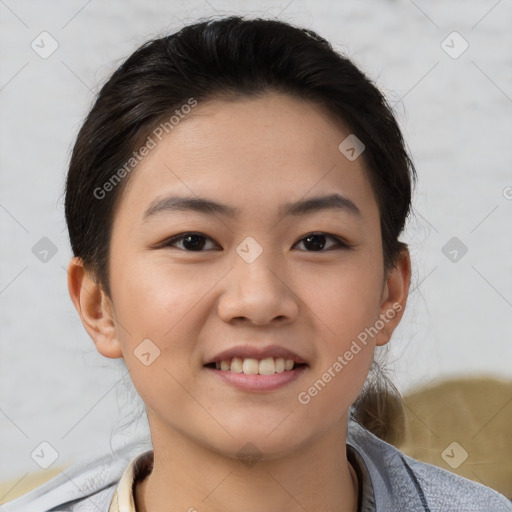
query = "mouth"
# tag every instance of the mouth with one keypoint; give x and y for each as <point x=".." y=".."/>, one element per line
<point x="256" y="375"/>
<point x="252" y="366"/>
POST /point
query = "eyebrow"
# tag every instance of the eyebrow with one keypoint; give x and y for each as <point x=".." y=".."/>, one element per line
<point x="208" y="206"/>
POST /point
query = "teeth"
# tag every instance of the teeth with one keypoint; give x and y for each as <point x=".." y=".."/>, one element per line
<point x="267" y="366"/>
<point x="250" y="366"/>
<point x="280" y="365"/>
<point x="236" y="365"/>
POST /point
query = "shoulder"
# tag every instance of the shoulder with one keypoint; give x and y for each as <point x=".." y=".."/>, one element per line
<point x="89" y="485"/>
<point x="401" y="483"/>
<point x="448" y="491"/>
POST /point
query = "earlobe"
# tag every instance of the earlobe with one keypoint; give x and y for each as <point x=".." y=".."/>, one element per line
<point x="394" y="296"/>
<point x="95" y="309"/>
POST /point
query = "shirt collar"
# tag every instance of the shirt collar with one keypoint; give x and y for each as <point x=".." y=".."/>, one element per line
<point x="366" y="496"/>
<point x="141" y="465"/>
<point x="123" y="499"/>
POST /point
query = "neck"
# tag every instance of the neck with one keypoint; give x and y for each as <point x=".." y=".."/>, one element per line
<point x="188" y="477"/>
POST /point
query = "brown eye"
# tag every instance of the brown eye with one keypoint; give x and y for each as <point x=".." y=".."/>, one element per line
<point x="192" y="242"/>
<point x="316" y="241"/>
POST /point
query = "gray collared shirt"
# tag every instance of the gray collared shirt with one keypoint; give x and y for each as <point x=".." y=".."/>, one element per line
<point x="389" y="481"/>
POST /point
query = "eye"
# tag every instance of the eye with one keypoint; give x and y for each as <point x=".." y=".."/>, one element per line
<point x="195" y="242"/>
<point x="316" y="241"/>
<point x="192" y="242"/>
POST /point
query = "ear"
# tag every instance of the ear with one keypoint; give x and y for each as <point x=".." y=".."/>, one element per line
<point x="95" y="309"/>
<point x="394" y="296"/>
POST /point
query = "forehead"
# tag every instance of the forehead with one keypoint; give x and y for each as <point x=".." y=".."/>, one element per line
<point x="262" y="151"/>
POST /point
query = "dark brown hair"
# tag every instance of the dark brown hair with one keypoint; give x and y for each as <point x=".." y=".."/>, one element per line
<point x="228" y="57"/>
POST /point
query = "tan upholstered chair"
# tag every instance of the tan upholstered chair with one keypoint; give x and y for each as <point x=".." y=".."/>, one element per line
<point x="463" y="425"/>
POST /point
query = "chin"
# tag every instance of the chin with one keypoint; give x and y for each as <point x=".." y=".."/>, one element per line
<point x="251" y="445"/>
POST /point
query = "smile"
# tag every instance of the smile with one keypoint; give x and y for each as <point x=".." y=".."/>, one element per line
<point x="252" y="366"/>
<point x="257" y="375"/>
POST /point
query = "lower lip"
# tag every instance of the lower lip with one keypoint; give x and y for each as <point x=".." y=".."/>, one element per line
<point x="246" y="382"/>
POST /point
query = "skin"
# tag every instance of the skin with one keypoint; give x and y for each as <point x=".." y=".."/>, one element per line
<point x="192" y="305"/>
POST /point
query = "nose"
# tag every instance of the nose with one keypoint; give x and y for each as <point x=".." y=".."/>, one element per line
<point x="258" y="294"/>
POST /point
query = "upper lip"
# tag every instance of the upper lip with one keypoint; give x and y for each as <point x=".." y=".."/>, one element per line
<point x="256" y="352"/>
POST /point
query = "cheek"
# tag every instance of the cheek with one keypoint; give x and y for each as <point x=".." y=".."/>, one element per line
<point x="158" y="310"/>
<point x="344" y="346"/>
<point x="347" y="299"/>
<point x="157" y="303"/>
<point x="346" y="305"/>
<point x="154" y="297"/>
<point x="331" y="391"/>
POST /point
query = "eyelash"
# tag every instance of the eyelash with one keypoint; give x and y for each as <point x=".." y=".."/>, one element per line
<point x="341" y="243"/>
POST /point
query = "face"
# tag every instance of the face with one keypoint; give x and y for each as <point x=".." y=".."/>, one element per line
<point x="190" y="283"/>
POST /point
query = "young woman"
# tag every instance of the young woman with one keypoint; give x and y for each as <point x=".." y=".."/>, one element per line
<point x="234" y="201"/>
